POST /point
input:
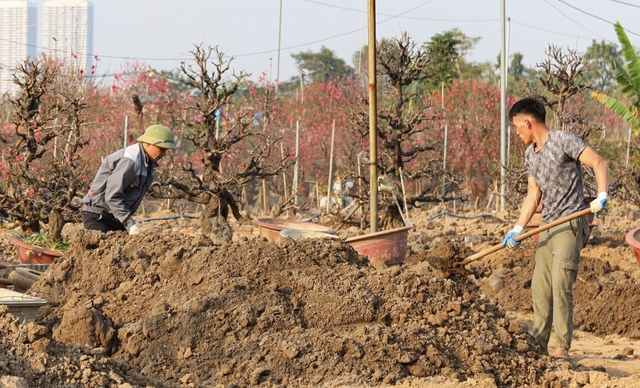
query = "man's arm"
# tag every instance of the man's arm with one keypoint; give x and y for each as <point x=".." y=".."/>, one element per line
<point x="590" y="158"/>
<point x="530" y="203"/>
<point x="121" y="177"/>
<point x="529" y="206"/>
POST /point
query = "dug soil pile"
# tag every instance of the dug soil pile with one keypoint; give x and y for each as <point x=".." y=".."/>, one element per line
<point x="29" y="358"/>
<point x="606" y="298"/>
<point x="184" y="311"/>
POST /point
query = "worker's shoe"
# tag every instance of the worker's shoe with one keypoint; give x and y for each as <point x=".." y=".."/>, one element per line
<point x="562" y="353"/>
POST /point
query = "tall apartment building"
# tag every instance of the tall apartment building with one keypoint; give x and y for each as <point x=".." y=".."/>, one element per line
<point x="16" y="40"/>
<point x="70" y="32"/>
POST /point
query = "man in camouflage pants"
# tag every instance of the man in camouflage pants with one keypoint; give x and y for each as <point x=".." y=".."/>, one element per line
<point x="554" y="160"/>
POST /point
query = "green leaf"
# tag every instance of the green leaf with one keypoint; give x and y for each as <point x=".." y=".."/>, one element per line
<point x="619" y="108"/>
<point x="626" y="84"/>
<point x="630" y="56"/>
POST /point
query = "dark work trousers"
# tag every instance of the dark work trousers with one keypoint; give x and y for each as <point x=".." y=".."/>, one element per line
<point x="101" y="222"/>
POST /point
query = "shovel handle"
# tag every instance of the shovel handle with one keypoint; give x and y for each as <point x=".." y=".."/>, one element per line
<point x="525" y="235"/>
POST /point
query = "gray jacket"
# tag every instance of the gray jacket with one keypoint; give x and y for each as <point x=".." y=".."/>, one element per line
<point x="120" y="184"/>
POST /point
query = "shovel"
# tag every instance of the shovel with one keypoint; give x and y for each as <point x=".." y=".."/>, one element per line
<point x="446" y="265"/>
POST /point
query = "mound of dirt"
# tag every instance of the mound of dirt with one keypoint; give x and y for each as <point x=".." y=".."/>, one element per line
<point x="29" y="358"/>
<point x="310" y="312"/>
<point x="605" y="298"/>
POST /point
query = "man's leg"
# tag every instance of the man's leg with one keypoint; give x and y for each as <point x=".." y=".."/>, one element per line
<point x="99" y="222"/>
<point x="541" y="291"/>
<point x="566" y="243"/>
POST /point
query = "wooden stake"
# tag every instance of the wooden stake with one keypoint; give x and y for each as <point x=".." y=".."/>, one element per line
<point x="359" y="181"/>
<point x="356" y="207"/>
<point x="489" y="202"/>
<point x="55" y="144"/>
<point x="318" y="198"/>
<point x="404" y="194"/>
<point x="333" y="133"/>
<point x="284" y="179"/>
<point x="297" y="165"/>
<point x="264" y="196"/>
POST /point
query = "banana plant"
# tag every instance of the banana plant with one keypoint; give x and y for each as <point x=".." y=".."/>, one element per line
<point x="628" y="77"/>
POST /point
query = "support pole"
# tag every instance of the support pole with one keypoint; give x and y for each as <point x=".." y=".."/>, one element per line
<point x="508" y="144"/>
<point x="278" y="54"/>
<point x="508" y="38"/>
<point x="284" y="178"/>
<point x="360" y="47"/>
<point x="318" y="198"/>
<point x="126" y="131"/>
<point x="404" y="195"/>
<point x="297" y="167"/>
<point x="264" y="196"/>
<point x="55" y="143"/>
<point x="333" y="133"/>
<point x="359" y="182"/>
<point x="503" y="107"/>
<point x="628" y="146"/>
<point x="444" y="159"/>
<point x="373" y="117"/>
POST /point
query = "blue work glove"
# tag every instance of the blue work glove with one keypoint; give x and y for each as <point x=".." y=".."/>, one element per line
<point x="598" y="203"/>
<point x="509" y="241"/>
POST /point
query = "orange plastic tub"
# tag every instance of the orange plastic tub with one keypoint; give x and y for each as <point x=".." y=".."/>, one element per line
<point x="633" y="239"/>
<point x="28" y="254"/>
<point x="386" y="248"/>
<point x="270" y="228"/>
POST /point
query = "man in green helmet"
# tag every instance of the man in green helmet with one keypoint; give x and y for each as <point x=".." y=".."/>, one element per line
<point x="122" y="181"/>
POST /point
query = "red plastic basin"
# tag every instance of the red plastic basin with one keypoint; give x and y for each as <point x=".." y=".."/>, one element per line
<point x="28" y="254"/>
<point x="270" y="228"/>
<point x="633" y="239"/>
<point x="384" y="248"/>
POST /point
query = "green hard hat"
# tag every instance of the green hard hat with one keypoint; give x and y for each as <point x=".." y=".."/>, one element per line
<point x="159" y="136"/>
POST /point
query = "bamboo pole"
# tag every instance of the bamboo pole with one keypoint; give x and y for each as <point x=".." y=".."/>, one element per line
<point x="318" y="198"/>
<point x="628" y="147"/>
<point x="333" y="133"/>
<point x="404" y="194"/>
<point x="373" y="116"/>
<point x="395" y="197"/>
<point x="126" y="131"/>
<point x="295" y="171"/>
<point x="284" y="179"/>
<point x="358" y="181"/>
<point x="264" y="196"/>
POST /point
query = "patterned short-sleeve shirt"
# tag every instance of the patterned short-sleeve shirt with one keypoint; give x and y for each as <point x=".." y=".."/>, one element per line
<point x="556" y="169"/>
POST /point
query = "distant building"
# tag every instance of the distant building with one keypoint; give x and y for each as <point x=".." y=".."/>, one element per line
<point x="70" y="31"/>
<point x="16" y="40"/>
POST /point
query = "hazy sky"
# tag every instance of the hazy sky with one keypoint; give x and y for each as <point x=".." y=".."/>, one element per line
<point x="150" y="30"/>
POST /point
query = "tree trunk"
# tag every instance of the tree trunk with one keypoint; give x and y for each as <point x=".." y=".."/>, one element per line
<point x="215" y="214"/>
<point x="391" y="218"/>
<point x="56" y="223"/>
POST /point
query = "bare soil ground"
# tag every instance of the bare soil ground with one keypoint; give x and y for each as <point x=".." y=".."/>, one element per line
<point x="171" y="308"/>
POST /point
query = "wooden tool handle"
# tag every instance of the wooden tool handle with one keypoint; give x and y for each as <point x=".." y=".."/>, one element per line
<point x="525" y="235"/>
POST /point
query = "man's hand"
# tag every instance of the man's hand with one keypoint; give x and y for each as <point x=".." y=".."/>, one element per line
<point x="509" y="241"/>
<point x="598" y="203"/>
<point x="134" y="229"/>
